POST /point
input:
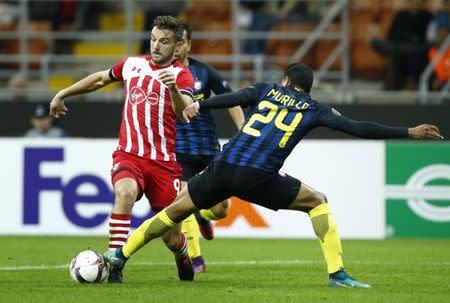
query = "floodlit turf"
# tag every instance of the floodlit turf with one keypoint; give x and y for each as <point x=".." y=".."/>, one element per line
<point x="239" y="270"/>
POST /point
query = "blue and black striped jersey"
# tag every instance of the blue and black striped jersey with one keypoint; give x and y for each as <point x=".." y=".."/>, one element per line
<point x="199" y="136"/>
<point x="278" y="119"/>
<point x="274" y="125"/>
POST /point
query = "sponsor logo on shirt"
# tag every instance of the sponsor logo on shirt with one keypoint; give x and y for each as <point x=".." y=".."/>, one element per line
<point x="137" y="95"/>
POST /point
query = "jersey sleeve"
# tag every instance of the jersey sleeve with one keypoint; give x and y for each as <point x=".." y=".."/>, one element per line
<point x="185" y="83"/>
<point x="331" y="118"/>
<point x="115" y="72"/>
<point x="244" y="97"/>
<point x="215" y="81"/>
<point x="253" y="92"/>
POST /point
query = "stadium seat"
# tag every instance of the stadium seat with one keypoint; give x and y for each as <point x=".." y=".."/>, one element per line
<point x="367" y="23"/>
<point x="103" y="49"/>
<point x="325" y="48"/>
<point x="287" y="48"/>
<point x="365" y="62"/>
<point x="214" y="46"/>
<point x="117" y="22"/>
<point x="200" y="14"/>
<point x="8" y="46"/>
<point x="369" y="5"/>
<point x="56" y="83"/>
<point x="36" y="46"/>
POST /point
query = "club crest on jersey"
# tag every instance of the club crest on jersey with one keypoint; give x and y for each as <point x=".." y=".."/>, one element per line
<point x="137" y="95"/>
<point x="198" y="85"/>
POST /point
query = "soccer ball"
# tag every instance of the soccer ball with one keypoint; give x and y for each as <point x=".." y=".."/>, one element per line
<point x="88" y="267"/>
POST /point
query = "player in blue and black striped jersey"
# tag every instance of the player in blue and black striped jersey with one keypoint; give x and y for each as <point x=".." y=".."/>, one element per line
<point x="197" y="144"/>
<point x="248" y="166"/>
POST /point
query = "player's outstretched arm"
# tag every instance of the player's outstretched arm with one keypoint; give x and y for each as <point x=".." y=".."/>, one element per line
<point x="226" y="100"/>
<point x="330" y="118"/>
<point x="90" y="83"/>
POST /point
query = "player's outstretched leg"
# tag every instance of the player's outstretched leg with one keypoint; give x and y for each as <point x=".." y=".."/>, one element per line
<point x="204" y="217"/>
<point x="191" y="231"/>
<point x="326" y="230"/>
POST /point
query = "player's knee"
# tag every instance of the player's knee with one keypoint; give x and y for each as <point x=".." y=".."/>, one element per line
<point x="221" y="213"/>
<point x="125" y="195"/>
<point x="321" y="198"/>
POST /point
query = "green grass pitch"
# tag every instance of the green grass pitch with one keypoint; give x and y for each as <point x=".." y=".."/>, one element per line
<point x="35" y="269"/>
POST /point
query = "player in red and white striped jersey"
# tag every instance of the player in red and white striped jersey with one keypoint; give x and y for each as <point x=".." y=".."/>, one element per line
<point x="148" y="121"/>
<point x="156" y="90"/>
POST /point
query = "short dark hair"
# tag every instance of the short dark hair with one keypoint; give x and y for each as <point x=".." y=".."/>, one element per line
<point x="170" y="23"/>
<point x="300" y="75"/>
<point x="188" y="30"/>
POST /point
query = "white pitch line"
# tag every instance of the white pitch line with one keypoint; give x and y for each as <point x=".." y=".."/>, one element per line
<point x="149" y="263"/>
<point x="39" y="267"/>
<point x="221" y="263"/>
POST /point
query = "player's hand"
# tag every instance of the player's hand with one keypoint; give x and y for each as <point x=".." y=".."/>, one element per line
<point x="57" y="107"/>
<point x="168" y="78"/>
<point x="191" y="111"/>
<point x="425" y="131"/>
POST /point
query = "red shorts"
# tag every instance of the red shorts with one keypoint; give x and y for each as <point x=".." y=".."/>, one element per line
<point x="159" y="180"/>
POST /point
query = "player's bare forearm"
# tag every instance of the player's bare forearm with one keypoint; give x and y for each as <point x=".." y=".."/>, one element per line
<point x="179" y="103"/>
<point x="90" y="83"/>
<point x="237" y="115"/>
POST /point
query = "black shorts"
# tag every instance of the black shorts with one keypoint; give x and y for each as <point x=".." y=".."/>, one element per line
<point x="221" y="180"/>
<point x="192" y="164"/>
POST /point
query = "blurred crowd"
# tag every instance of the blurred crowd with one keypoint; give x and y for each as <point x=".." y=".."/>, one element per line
<point x="413" y="39"/>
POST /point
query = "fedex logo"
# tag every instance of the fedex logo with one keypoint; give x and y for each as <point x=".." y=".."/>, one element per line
<point x="34" y="183"/>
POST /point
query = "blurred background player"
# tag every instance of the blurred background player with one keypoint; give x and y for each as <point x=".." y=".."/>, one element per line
<point x="248" y="166"/>
<point x="197" y="144"/>
<point x="157" y="89"/>
<point x="42" y="124"/>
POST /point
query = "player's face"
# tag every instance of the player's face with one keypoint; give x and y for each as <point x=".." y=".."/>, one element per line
<point x="185" y="46"/>
<point x="162" y="46"/>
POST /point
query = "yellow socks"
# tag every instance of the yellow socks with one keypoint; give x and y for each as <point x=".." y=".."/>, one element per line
<point x="150" y="229"/>
<point x="190" y="229"/>
<point x="207" y="214"/>
<point x="326" y="230"/>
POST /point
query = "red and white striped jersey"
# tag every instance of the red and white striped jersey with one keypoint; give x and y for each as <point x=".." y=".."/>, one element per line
<point x="148" y="120"/>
